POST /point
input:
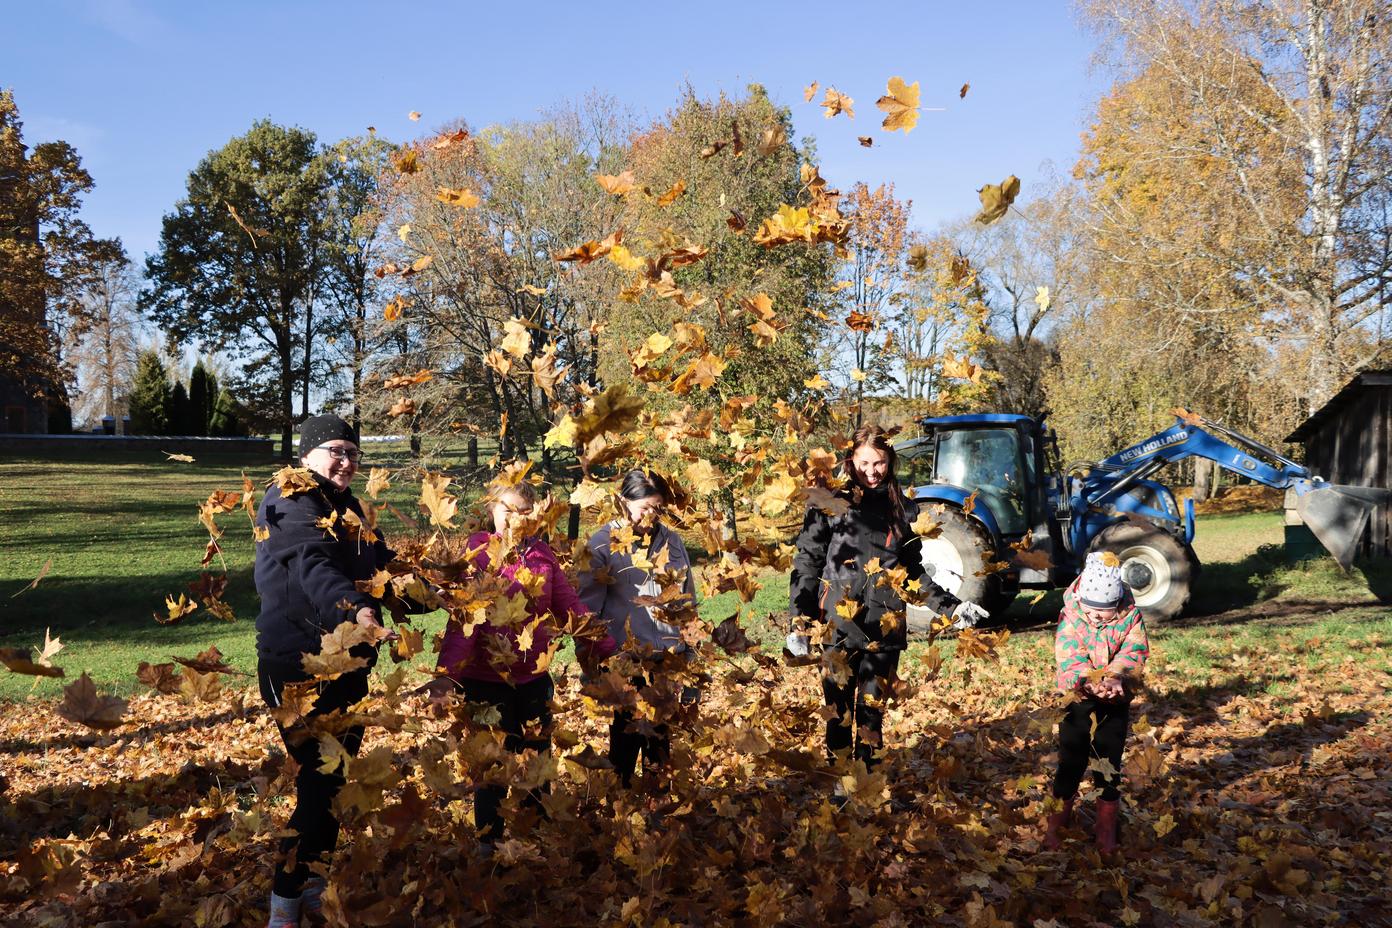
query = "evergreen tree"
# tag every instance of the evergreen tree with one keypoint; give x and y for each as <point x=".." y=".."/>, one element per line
<point x="149" y="398"/>
<point x="225" y="422"/>
<point x="180" y="411"/>
<point x="201" y="399"/>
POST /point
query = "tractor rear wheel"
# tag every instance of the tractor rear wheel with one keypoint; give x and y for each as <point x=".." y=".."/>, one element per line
<point x="955" y="559"/>
<point x="1159" y="569"/>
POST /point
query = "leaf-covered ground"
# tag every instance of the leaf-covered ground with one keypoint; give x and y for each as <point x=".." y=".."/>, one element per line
<point x="1258" y="794"/>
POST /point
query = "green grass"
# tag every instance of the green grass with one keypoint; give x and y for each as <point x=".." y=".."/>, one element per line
<point x="122" y="532"/>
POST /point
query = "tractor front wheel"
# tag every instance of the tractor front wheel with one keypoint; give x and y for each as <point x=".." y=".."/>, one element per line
<point x="1158" y="568"/>
<point x="956" y="559"/>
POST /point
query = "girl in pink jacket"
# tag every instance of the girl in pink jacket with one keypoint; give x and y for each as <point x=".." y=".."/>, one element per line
<point x="506" y="666"/>
<point x="1100" y="650"/>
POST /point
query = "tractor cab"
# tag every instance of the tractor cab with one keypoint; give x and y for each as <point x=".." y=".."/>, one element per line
<point x="999" y="458"/>
<point x="994" y="478"/>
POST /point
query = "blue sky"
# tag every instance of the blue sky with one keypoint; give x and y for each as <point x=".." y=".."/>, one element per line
<point x="146" y="89"/>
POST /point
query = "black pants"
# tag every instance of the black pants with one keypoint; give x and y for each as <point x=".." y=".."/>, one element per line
<point x="314" y="825"/>
<point x="626" y="743"/>
<point x="520" y="707"/>
<point x="1078" y="744"/>
<point x="859" y="701"/>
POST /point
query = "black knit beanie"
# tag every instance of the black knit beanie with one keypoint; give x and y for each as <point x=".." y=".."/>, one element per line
<point x="316" y="430"/>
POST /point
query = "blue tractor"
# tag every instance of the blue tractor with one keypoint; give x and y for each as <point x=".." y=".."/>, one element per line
<point x="1012" y="518"/>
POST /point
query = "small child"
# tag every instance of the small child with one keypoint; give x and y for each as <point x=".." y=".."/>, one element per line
<point x="1101" y="650"/>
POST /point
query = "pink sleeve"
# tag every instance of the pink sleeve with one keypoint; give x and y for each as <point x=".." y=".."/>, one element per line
<point x="1070" y="657"/>
<point x="565" y="601"/>
<point x="457" y="649"/>
<point x="1131" y="657"/>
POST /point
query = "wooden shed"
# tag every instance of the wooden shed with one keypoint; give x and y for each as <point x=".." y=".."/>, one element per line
<point x="1349" y="440"/>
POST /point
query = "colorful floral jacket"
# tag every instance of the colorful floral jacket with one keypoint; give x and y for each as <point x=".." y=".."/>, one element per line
<point x="1081" y="646"/>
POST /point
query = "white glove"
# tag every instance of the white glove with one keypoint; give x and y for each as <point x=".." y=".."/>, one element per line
<point x="798" y="644"/>
<point x="966" y="615"/>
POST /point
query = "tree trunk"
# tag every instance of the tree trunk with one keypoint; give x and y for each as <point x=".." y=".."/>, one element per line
<point x="308" y="358"/>
<point x="1203" y="479"/>
<point x="287" y="398"/>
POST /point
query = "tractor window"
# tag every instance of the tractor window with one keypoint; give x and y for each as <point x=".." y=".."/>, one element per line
<point x="915" y="465"/>
<point x="986" y="461"/>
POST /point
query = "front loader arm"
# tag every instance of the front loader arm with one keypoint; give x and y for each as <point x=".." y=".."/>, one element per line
<point x="1337" y="515"/>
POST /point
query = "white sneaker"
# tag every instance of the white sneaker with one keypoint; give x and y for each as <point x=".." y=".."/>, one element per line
<point x="285" y="913"/>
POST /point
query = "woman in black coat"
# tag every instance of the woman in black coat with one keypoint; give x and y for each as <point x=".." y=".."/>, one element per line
<point x="829" y="569"/>
<point x="306" y="575"/>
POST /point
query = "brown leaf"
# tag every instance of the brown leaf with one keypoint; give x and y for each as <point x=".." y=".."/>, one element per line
<point x="83" y="705"/>
<point x="209" y="661"/>
<point x="162" y="678"/>
<point x="731" y="637"/>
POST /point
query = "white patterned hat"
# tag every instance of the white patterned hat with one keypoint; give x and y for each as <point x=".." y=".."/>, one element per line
<point x="1100" y="585"/>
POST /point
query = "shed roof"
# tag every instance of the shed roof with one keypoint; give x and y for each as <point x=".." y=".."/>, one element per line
<point x="1330" y="410"/>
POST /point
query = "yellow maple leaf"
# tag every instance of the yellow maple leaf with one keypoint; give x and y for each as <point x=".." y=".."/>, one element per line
<point x="458" y="196"/>
<point x="617" y="184"/>
<point x="518" y="340"/>
<point x="434" y="501"/>
<point x="900" y="104"/>
<point x="836" y="102"/>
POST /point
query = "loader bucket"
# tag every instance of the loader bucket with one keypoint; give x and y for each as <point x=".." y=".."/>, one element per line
<point x="1337" y="515"/>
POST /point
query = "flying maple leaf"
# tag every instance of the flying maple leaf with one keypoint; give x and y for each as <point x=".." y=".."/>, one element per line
<point x="865" y="141"/>
<point x="424" y="375"/>
<point x="333" y="658"/>
<point x="458" y="196"/>
<point x="209" y="661"/>
<point x="406" y="161"/>
<point x="996" y="199"/>
<point x="836" y="102"/>
<point x="518" y="340"/>
<point x="177" y="609"/>
<point x="900" y="104"/>
<point x="962" y="94"/>
<point x="617" y="184"/>
<point x="162" y="678"/>
<point x="860" y="322"/>
<point x="33" y="584"/>
<point x="810" y="92"/>
<point x="414" y="116"/>
<point x="83" y="705"/>
<point x="772" y="139"/>
<point x="670" y="195"/>
<point x="960" y="368"/>
<point x="731" y="637"/>
<point x="1042" y="298"/>
<point x="588" y="251"/>
<point x="183" y="458"/>
<point x="392" y="311"/>
<point x="435" y="502"/>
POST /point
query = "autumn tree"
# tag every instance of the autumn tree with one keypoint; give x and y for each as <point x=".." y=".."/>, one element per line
<point x="1242" y="164"/>
<point x="240" y="263"/>
<point x="478" y="218"/>
<point x="728" y="229"/>
<point x="940" y="331"/>
<point x="1032" y="268"/>
<point x="869" y="281"/>
<point x="48" y="256"/>
<point x="353" y="250"/>
<point x="103" y="352"/>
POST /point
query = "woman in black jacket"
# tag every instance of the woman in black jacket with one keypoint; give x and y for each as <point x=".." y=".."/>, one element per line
<point x="307" y="568"/>
<point x="870" y="629"/>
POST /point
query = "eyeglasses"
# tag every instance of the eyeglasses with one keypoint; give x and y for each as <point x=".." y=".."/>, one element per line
<point x="352" y="455"/>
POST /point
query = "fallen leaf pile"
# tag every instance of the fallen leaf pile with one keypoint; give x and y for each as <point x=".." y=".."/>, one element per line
<point x="1241" y="807"/>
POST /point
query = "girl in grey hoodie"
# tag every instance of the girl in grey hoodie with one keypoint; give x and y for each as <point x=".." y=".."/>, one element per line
<point x="638" y="581"/>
